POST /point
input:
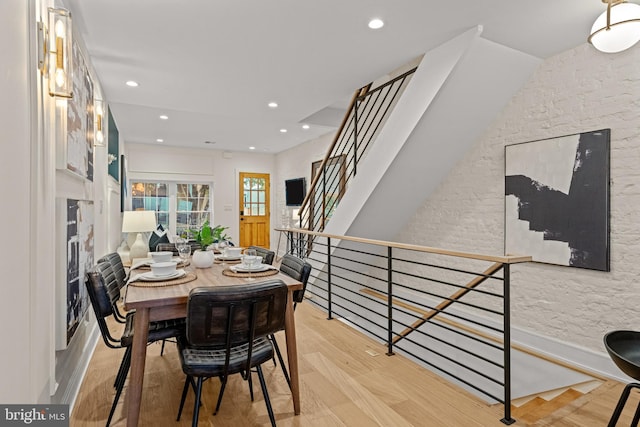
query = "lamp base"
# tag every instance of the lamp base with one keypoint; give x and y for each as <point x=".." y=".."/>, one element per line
<point x="139" y="249"/>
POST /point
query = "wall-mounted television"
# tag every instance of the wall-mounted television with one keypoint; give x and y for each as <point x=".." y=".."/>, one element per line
<point x="294" y="191"/>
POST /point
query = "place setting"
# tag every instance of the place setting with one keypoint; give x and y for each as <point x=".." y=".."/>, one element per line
<point x="163" y="273"/>
<point x="164" y="256"/>
<point x="229" y="255"/>
<point x="250" y="266"/>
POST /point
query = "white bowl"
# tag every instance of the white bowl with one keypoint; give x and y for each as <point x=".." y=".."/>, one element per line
<point x="251" y="261"/>
<point x="163" y="268"/>
<point x="162" y="256"/>
<point x="232" y="252"/>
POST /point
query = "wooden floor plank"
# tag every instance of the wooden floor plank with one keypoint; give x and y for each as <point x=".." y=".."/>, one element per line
<point x="341" y="385"/>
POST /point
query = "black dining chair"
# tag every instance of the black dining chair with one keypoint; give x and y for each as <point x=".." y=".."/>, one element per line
<point x="624" y="349"/>
<point x="115" y="286"/>
<point x="98" y="281"/>
<point x="227" y="329"/>
<point x="171" y="247"/>
<point x="300" y="270"/>
<point x="266" y="254"/>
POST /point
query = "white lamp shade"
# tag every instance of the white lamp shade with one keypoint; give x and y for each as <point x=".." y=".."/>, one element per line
<point x="621" y="35"/>
<point x="138" y="221"/>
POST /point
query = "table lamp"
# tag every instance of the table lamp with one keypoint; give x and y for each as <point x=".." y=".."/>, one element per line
<point x="138" y="222"/>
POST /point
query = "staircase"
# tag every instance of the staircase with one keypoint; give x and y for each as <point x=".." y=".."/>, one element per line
<point x="450" y="99"/>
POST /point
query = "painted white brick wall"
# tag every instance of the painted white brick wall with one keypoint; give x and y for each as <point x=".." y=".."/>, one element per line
<point x="576" y="91"/>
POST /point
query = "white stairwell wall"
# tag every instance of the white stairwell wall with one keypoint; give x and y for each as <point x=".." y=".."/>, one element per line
<point x="453" y="96"/>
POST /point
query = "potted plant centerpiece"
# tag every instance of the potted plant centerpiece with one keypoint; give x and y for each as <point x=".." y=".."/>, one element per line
<point x="206" y="237"/>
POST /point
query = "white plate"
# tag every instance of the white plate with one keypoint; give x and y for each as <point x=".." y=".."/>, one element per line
<point x="228" y="258"/>
<point x="150" y="277"/>
<point x="243" y="269"/>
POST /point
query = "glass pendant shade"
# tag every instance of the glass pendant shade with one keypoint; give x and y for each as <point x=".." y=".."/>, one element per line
<point x="623" y="30"/>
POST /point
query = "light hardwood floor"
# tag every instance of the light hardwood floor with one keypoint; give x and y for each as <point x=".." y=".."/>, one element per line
<point x="341" y="385"/>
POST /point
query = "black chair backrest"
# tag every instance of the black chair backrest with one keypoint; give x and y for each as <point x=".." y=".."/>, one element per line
<point x="96" y="284"/>
<point x="266" y="254"/>
<point x="300" y="270"/>
<point x="171" y="247"/>
<point x="118" y="268"/>
<point x="110" y="281"/>
<point x="220" y="316"/>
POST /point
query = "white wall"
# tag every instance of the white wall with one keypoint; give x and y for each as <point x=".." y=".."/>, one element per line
<point x="576" y="91"/>
<point x="155" y="162"/>
<point x="17" y="283"/>
<point x="295" y="163"/>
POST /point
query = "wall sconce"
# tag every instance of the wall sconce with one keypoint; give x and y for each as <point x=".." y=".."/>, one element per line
<point x="617" y="28"/>
<point x="56" y="60"/>
<point x="98" y="109"/>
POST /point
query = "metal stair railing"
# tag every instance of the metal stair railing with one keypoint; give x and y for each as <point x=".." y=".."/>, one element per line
<point x="368" y="111"/>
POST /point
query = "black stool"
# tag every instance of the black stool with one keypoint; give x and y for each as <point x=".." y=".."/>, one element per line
<point x="624" y="349"/>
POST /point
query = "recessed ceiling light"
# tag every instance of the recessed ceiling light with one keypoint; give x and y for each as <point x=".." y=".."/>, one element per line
<point x="159" y="140"/>
<point x="209" y="142"/>
<point x="376" y="23"/>
<point x="164" y="117"/>
<point x="283" y="130"/>
<point x="305" y="126"/>
<point x="273" y="105"/>
<point x="131" y="83"/>
<point x="252" y="148"/>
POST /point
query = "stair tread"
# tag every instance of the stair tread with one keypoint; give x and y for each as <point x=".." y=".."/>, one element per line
<point x="538" y="407"/>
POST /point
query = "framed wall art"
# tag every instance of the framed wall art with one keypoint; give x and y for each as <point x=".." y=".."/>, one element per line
<point x="77" y="149"/>
<point x="75" y="258"/>
<point x="557" y="200"/>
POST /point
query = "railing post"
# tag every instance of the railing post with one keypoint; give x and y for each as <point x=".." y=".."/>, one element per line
<point x="329" y="278"/>
<point x="390" y="301"/>
<point x="355" y="137"/>
<point x="507" y="346"/>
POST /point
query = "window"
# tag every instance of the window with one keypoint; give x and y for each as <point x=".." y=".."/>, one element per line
<point x="193" y="206"/>
<point x="178" y="206"/>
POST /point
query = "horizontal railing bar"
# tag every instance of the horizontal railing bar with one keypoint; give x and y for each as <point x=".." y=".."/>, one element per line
<point x="442" y="282"/>
<point x="455" y="362"/>
<point x="468" y="304"/>
<point x="438" y="323"/>
<point x="508" y="259"/>
<point x="355" y="272"/>
<point x="486" y="393"/>
<point x="457" y="270"/>
<point x="359" y="316"/>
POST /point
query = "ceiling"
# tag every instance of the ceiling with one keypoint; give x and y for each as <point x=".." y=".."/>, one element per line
<point x="212" y="66"/>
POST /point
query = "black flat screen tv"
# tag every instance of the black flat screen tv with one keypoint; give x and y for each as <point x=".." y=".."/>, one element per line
<point x="294" y="191"/>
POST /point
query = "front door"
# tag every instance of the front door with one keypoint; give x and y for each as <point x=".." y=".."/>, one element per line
<point x="254" y="210"/>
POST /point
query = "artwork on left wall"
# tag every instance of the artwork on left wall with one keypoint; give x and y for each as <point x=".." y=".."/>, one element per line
<point x="76" y="219"/>
<point x="557" y="200"/>
<point x="79" y="123"/>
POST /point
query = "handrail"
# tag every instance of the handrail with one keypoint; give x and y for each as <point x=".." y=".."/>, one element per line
<point x="506" y="259"/>
<point x="446" y="309"/>
<point x="327" y="156"/>
<point x="367" y="112"/>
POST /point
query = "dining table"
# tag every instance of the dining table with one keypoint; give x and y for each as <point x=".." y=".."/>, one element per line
<point x="156" y="301"/>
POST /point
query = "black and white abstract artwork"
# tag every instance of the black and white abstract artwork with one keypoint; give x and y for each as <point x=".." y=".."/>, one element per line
<point x="557" y="200"/>
<point x="79" y="233"/>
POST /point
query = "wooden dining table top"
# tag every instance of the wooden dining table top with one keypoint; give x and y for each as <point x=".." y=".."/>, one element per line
<point x="153" y="296"/>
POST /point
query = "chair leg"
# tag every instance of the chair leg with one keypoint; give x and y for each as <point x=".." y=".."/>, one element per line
<point x="621" y="402"/>
<point x="636" y="417"/>
<point x="272" y="338"/>
<point x="222" y="386"/>
<point x="126" y="361"/>
<point x="120" y="372"/>
<point x="196" y="403"/>
<point x="184" y="396"/>
<point x="250" y="384"/>
<point x="162" y="349"/>
<point x="265" y="393"/>
<point x="282" y="365"/>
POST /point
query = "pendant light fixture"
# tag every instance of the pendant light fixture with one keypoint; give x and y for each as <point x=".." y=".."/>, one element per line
<point x="618" y="28"/>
